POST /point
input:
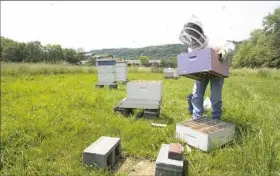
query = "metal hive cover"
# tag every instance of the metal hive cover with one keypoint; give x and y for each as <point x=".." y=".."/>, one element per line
<point x="207" y="125"/>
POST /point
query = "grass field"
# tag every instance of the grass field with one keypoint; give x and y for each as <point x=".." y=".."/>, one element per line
<point x="51" y="114"/>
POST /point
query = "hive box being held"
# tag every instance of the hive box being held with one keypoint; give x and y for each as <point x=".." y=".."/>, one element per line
<point x="202" y="64"/>
<point x="166" y="166"/>
<point x="145" y="90"/>
<point x="205" y="133"/>
<point x="121" y="71"/>
<point x="106" y="71"/>
<point x="103" y="153"/>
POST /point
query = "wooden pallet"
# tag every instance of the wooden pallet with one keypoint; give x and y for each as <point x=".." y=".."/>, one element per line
<point x="167" y="77"/>
<point x="151" y="109"/>
<point x="113" y="85"/>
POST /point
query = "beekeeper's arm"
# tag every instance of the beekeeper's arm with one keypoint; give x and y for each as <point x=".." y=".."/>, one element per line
<point x="223" y="50"/>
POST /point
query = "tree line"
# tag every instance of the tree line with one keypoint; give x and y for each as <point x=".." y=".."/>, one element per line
<point x="262" y="49"/>
<point x="13" y="51"/>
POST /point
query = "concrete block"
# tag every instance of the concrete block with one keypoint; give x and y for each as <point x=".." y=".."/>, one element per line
<point x="166" y="166"/>
<point x="103" y="153"/>
<point x="176" y="151"/>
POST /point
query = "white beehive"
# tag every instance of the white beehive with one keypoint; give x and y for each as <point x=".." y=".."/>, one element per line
<point x="145" y="90"/>
<point x="121" y="71"/>
<point x="106" y="70"/>
<point x="170" y="73"/>
<point x="205" y="133"/>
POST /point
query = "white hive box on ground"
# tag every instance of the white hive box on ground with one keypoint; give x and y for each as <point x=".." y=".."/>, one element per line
<point x="205" y="133"/>
<point x="121" y="71"/>
<point x="170" y="73"/>
<point x="106" y="71"/>
<point x="145" y="90"/>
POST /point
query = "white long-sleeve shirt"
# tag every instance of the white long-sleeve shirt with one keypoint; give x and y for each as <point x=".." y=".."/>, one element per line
<point x="222" y="49"/>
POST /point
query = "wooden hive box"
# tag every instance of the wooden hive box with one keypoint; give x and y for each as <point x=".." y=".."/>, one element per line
<point x="202" y="64"/>
<point x="205" y="133"/>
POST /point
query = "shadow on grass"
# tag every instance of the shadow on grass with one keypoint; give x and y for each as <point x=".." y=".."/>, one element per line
<point x="163" y="118"/>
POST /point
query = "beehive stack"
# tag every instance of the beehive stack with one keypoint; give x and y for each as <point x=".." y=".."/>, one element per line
<point x="121" y="71"/>
<point x="106" y="71"/>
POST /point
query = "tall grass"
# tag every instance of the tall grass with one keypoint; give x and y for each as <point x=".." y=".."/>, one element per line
<point x="45" y="69"/>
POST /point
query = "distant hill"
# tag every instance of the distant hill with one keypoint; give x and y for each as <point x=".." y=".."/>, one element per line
<point x="155" y="52"/>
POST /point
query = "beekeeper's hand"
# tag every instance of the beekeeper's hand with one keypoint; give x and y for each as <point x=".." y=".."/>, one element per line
<point x="220" y="52"/>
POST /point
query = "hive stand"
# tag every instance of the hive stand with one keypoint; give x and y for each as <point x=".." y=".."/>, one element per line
<point x="151" y="108"/>
<point x="103" y="153"/>
<point x="124" y="82"/>
<point x="113" y="85"/>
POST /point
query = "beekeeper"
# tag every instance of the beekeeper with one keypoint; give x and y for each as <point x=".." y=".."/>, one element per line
<point x="194" y="38"/>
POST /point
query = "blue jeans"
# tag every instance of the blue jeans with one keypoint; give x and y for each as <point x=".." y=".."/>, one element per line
<point x="216" y="97"/>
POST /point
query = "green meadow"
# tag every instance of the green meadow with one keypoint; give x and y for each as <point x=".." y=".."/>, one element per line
<point x="51" y="113"/>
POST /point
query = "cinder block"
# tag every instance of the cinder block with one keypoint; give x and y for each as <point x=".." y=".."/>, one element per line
<point x="166" y="166"/>
<point x="103" y="153"/>
<point x="176" y="151"/>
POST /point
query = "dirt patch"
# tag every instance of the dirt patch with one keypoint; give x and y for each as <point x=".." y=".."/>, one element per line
<point x="135" y="167"/>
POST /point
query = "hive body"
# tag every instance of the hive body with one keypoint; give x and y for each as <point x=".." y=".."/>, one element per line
<point x="202" y="64"/>
<point x="205" y="133"/>
<point x="106" y="71"/>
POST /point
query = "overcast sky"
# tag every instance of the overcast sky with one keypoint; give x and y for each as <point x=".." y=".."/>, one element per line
<point x="96" y="25"/>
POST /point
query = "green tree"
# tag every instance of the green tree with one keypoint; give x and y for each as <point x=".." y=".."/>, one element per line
<point x="262" y="49"/>
<point x="144" y="60"/>
<point x="54" y="53"/>
<point x="70" y="55"/>
<point x="34" y="51"/>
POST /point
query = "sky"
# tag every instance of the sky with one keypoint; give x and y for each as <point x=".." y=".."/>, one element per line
<point x="128" y="24"/>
